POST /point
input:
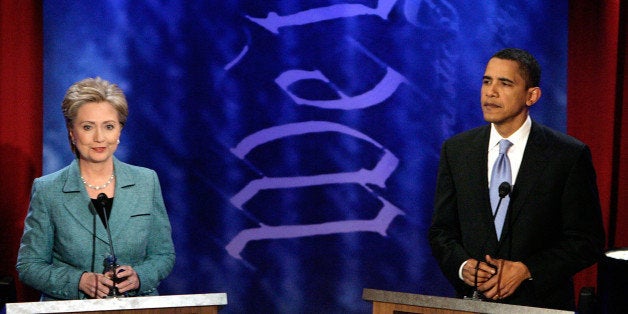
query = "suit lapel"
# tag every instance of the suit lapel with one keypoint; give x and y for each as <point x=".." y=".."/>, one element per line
<point x="532" y="166"/>
<point x="476" y="169"/>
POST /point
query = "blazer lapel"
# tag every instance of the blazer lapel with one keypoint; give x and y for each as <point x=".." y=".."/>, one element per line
<point x="78" y="204"/>
<point x="124" y="201"/>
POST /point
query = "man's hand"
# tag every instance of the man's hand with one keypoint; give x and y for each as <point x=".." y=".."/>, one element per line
<point x="509" y="277"/>
<point x="472" y="267"/>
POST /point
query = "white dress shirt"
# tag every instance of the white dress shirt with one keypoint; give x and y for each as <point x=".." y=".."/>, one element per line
<point x="515" y="152"/>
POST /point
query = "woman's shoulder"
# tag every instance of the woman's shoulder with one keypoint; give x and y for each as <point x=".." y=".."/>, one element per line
<point x="132" y="171"/>
<point x="59" y="175"/>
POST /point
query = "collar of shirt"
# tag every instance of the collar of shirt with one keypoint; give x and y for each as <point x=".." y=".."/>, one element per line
<point x="519" y="139"/>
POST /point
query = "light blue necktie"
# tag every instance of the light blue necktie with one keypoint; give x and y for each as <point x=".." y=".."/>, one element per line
<point x="501" y="173"/>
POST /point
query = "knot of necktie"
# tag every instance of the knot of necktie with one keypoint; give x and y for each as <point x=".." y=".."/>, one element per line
<point x="504" y="145"/>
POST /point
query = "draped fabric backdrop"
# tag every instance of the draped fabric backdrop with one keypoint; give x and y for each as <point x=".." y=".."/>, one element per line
<point x="598" y="107"/>
<point x="21" y="66"/>
<point x="296" y="141"/>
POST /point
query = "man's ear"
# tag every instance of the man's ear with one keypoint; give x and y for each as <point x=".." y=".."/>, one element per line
<point x="534" y="93"/>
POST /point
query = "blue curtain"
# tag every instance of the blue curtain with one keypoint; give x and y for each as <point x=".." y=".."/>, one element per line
<point x="296" y="141"/>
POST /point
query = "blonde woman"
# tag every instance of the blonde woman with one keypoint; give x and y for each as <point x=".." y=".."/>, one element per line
<point x="65" y="244"/>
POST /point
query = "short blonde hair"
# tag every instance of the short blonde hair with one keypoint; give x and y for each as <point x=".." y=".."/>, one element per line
<point x="92" y="90"/>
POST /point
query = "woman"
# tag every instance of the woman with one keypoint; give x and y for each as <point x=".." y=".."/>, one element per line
<point x="65" y="244"/>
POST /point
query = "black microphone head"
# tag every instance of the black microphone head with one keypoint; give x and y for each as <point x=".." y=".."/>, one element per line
<point x="102" y="198"/>
<point x="504" y="189"/>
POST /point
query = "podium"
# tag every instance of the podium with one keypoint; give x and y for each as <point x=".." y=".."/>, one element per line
<point x="181" y="304"/>
<point x="389" y="302"/>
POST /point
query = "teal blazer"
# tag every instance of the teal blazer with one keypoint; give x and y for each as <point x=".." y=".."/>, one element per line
<point x="64" y="237"/>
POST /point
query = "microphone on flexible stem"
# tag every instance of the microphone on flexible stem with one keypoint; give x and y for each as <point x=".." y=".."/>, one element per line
<point x="503" y="190"/>
<point x="110" y="261"/>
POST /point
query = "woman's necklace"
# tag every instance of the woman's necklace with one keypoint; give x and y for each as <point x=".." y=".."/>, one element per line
<point x="98" y="187"/>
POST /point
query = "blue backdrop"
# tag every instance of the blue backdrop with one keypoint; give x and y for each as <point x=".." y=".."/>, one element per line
<point x="296" y="142"/>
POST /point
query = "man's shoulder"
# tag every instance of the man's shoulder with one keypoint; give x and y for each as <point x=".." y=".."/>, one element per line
<point x="477" y="133"/>
<point x="555" y="137"/>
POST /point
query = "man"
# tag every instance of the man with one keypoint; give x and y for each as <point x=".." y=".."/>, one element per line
<point x="545" y="223"/>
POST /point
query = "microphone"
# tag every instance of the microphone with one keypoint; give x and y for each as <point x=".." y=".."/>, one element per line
<point x="110" y="262"/>
<point x="503" y="190"/>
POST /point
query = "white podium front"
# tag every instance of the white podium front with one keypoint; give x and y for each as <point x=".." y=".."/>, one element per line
<point x="186" y="303"/>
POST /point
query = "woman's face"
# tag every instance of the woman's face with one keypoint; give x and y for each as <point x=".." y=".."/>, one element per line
<point x="96" y="131"/>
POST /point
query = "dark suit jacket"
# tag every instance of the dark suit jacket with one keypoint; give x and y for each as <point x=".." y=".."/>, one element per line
<point x="64" y="238"/>
<point x="553" y="225"/>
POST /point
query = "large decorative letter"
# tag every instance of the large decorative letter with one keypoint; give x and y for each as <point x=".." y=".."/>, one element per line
<point x="386" y="87"/>
<point x="376" y="176"/>
<point x="273" y="22"/>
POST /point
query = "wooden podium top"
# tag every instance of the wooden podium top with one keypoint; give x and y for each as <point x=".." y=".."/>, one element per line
<point x="120" y="304"/>
<point x="450" y="305"/>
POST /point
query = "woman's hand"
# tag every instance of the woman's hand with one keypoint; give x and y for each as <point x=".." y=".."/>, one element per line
<point x="95" y="285"/>
<point x="127" y="279"/>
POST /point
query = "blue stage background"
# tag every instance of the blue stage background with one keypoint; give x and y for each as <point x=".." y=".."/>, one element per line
<point x="296" y="142"/>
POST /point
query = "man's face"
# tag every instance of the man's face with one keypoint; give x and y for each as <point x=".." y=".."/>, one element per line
<point x="505" y="98"/>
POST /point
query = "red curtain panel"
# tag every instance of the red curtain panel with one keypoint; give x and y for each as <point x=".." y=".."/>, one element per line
<point x="21" y="118"/>
<point x="596" y="90"/>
